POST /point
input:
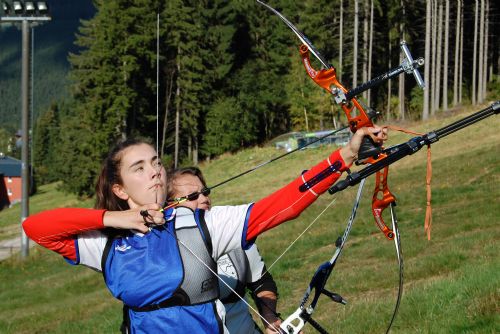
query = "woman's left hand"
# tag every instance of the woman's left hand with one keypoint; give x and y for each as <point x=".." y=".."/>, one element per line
<point x="350" y="152"/>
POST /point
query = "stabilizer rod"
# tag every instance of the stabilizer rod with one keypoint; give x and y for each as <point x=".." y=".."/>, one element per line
<point x="400" y="151"/>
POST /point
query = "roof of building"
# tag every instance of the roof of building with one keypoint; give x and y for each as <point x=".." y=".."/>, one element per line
<point x="10" y="166"/>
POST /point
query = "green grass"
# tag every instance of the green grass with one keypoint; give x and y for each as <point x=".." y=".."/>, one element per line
<point x="452" y="282"/>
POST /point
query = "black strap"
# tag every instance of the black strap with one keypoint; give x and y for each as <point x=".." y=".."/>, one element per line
<point x="320" y="176"/>
<point x="204" y="230"/>
<point x="264" y="283"/>
<point x="175" y="300"/>
<point x="125" y="326"/>
<point x="112" y="234"/>
<point x="232" y="298"/>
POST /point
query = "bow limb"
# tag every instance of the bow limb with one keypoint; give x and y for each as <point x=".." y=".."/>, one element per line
<point x="382" y="198"/>
<point x="327" y="79"/>
<point x="399" y="252"/>
<point x="296" y="321"/>
<point x="299" y="34"/>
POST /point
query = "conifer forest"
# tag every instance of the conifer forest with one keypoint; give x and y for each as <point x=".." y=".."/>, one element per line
<point x="201" y="78"/>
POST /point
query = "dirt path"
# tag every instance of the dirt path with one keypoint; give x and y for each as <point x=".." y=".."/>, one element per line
<point x="10" y="247"/>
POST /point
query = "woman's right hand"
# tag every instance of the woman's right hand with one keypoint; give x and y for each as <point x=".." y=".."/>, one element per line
<point x="133" y="219"/>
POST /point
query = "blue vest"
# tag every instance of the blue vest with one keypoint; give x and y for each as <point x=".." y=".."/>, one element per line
<point x="165" y="288"/>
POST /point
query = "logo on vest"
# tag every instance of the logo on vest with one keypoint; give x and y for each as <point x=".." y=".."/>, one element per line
<point x="226" y="266"/>
<point x="208" y="284"/>
<point x="122" y="248"/>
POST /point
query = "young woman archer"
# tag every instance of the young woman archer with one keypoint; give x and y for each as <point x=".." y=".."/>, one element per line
<point x="154" y="268"/>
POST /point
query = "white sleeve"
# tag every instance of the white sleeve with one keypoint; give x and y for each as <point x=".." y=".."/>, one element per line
<point x="255" y="262"/>
<point x="226" y="225"/>
<point x="90" y="247"/>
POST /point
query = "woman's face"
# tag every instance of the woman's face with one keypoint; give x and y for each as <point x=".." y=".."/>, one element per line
<point x="143" y="176"/>
<point x="186" y="184"/>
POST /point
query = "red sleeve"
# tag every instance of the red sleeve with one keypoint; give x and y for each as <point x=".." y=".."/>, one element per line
<point x="288" y="202"/>
<point x="56" y="229"/>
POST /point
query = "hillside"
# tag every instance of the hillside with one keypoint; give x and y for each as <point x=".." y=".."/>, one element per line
<point x="53" y="41"/>
<point x="451" y="282"/>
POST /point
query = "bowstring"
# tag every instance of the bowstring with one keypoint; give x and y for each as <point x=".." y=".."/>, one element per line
<point x="251" y="170"/>
<point x="300" y="235"/>
<point x="339" y="249"/>
<point x="158" y="157"/>
<point x="158" y="175"/>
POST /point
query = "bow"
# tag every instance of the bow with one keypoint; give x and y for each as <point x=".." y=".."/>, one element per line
<point x="295" y="322"/>
<point x="369" y="153"/>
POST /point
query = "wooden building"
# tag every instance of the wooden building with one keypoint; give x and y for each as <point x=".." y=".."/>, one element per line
<point x="10" y="181"/>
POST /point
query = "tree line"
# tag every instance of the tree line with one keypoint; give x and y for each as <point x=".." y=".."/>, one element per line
<point x="230" y="75"/>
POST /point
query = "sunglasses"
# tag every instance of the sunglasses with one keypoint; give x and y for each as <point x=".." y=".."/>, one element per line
<point x="192" y="197"/>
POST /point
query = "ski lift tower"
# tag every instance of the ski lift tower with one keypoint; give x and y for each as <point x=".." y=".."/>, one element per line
<point x="27" y="14"/>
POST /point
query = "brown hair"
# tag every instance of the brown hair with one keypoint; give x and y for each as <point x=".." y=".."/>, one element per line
<point x="174" y="173"/>
<point x="110" y="175"/>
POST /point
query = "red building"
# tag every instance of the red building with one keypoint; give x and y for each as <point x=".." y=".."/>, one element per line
<point x="10" y="181"/>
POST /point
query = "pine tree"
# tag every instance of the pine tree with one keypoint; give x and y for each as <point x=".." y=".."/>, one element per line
<point x="114" y="84"/>
<point x="5" y="141"/>
<point x="228" y="127"/>
<point x="445" y="54"/>
<point x="264" y="95"/>
<point x="401" y="79"/>
<point x="457" y="52"/>
<point x="219" y="18"/>
<point x="439" y="53"/>
<point x="474" y="61"/>
<point x="427" y="67"/>
<point x="185" y="22"/>
<point x="45" y="139"/>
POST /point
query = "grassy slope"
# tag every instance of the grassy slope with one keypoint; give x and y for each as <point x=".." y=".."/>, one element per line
<point x="451" y="282"/>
